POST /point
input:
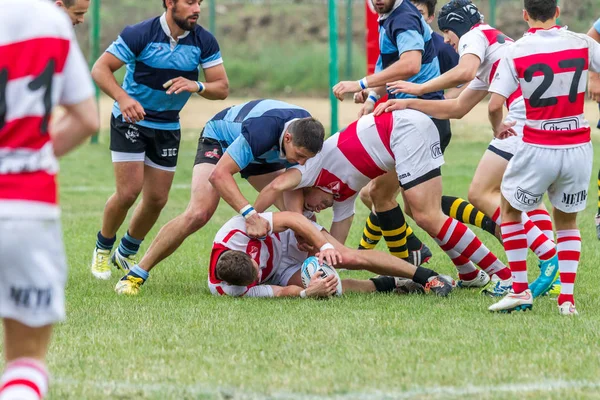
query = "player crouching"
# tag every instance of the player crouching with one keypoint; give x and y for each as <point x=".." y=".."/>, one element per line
<point x="243" y="266"/>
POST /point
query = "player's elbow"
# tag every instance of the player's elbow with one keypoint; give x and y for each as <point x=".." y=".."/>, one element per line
<point x="224" y="92"/>
<point x="98" y="71"/>
<point x="412" y="68"/>
<point x="467" y="75"/>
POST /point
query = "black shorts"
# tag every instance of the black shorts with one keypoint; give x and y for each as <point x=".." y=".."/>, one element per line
<point x="155" y="147"/>
<point x="211" y="150"/>
<point x="443" y="126"/>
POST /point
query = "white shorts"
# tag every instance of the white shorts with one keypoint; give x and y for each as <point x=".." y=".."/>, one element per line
<point x="564" y="173"/>
<point x="505" y="148"/>
<point x="415" y="142"/>
<point x="33" y="271"/>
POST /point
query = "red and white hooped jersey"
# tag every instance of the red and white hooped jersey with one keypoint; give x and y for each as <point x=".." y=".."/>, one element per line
<point x="489" y="45"/>
<point x="551" y="68"/>
<point x="232" y="236"/>
<point x="41" y="66"/>
<point x="351" y="158"/>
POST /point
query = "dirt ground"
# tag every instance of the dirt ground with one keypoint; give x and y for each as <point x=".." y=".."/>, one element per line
<point x="198" y="110"/>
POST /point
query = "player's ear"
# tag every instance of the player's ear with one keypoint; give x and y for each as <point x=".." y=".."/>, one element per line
<point x="525" y="16"/>
<point x="60" y="4"/>
<point x="557" y="12"/>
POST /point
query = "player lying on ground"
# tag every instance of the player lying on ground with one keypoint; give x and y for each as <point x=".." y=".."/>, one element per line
<point x="243" y="266"/>
<point x="480" y="48"/>
<point x="256" y="139"/>
<point x="41" y="66"/>
<point x="405" y="143"/>
<point x="163" y="56"/>
<point x="550" y="64"/>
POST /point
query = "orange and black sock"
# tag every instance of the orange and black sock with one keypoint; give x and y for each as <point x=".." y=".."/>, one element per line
<point x="462" y="210"/>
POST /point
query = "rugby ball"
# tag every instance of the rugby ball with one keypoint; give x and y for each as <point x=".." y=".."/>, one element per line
<point x="311" y="266"/>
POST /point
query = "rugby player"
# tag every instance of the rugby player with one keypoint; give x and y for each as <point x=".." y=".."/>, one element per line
<point x="75" y="9"/>
<point x="41" y="66"/>
<point x="405" y="143"/>
<point x="257" y="139"/>
<point x="163" y="56"/>
<point x="550" y="64"/>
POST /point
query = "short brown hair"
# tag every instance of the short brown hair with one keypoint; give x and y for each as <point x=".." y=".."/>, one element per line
<point x="307" y="133"/>
<point x="236" y="268"/>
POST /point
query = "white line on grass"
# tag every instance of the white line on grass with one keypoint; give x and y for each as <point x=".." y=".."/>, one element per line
<point x="234" y="394"/>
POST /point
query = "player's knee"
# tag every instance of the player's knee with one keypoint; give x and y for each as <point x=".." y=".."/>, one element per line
<point x="475" y="195"/>
<point x="428" y="220"/>
<point x="156" y="201"/>
<point x="365" y="197"/>
<point x="196" y="218"/>
<point x="127" y="197"/>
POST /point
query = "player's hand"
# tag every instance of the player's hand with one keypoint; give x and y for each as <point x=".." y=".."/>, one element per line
<point x="257" y="227"/>
<point x="405" y="87"/>
<point x="361" y="97"/>
<point x="366" y="109"/>
<point x="319" y="287"/>
<point x="594" y="87"/>
<point x="131" y="109"/>
<point x="303" y="245"/>
<point x="390" y="105"/>
<point x="505" y="130"/>
<point x="330" y="257"/>
<point x="180" y="85"/>
<point x="345" y="87"/>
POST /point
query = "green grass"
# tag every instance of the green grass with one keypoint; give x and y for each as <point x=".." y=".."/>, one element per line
<point x="176" y="341"/>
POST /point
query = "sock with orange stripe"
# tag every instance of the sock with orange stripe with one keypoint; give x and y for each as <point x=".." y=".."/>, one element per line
<point x="371" y="233"/>
<point x="393" y="229"/>
<point x="514" y="240"/>
<point x="541" y="219"/>
<point x="569" y="252"/>
<point x="462" y="210"/>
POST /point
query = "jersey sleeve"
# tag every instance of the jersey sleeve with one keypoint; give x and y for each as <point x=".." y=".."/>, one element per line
<point x="344" y="209"/>
<point x="240" y="152"/>
<point x="210" y="55"/>
<point x="409" y="40"/>
<point x="310" y="171"/>
<point x="77" y="85"/>
<point x="128" y="45"/>
<point x="506" y="80"/>
<point x="597" y="25"/>
<point x="473" y="42"/>
<point x="478" y="84"/>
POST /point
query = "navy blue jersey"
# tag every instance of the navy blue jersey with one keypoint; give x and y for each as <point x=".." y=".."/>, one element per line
<point x="252" y="132"/>
<point x="405" y="29"/>
<point x="447" y="56"/>
<point x="152" y="58"/>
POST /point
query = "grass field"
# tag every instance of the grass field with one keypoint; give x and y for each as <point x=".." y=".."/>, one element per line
<point x="176" y="341"/>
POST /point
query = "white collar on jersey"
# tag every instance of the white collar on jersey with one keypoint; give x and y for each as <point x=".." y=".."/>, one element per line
<point x="165" y="28"/>
<point x="384" y="16"/>
<point x="285" y="127"/>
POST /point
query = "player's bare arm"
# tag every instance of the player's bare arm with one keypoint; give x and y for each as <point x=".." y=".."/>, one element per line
<point x="501" y="129"/>
<point x="464" y="72"/>
<point x="442" y="109"/>
<point x="317" y="287"/>
<point x="216" y="86"/>
<point x="103" y="74"/>
<point x="594" y="78"/>
<point x="408" y="65"/>
<point x="284" y="182"/>
<point x="303" y="227"/>
<point x="77" y="123"/>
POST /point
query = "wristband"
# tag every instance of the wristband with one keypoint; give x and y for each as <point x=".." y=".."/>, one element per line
<point x="303" y="294"/>
<point x="201" y="87"/>
<point x="247" y="211"/>
<point x="326" y="246"/>
<point x="373" y="96"/>
<point x="363" y="83"/>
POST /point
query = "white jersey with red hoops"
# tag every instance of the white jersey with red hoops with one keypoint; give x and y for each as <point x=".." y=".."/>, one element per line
<point x="489" y="45"/>
<point x="405" y="141"/>
<point x="41" y="66"/>
<point x="551" y="68"/>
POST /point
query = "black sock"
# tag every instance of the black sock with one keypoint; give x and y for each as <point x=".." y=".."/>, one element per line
<point x="393" y="228"/>
<point x="384" y="283"/>
<point x="423" y="274"/>
<point x="371" y="233"/>
<point x="462" y="210"/>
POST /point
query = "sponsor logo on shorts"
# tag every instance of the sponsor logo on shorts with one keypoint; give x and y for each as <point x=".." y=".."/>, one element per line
<point x="406" y="175"/>
<point x="213" y="154"/>
<point x="527" y="198"/>
<point x="567" y="124"/>
<point x="436" y="150"/>
<point x="132" y="133"/>
<point x="574" y="199"/>
<point x="31" y="297"/>
<point x="169" y="152"/>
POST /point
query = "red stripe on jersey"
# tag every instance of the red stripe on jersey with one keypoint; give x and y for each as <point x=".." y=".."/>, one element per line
<point x="354" y="151"/>
<point x="552" y="60"/>
<point x="30" y="57"/>
<point x="233" y="232"/>
<point x="269" y="268"/>
<point x="215" y="253"/>
<point x="511" y="99"/>
<point x="334" y="185"/>
<point x="37" y="186"/>
<point x="563" y="108"/>
<point x="23" y="133"/>
<point x="492" y="36"/>
<point x="385" y="125"/>
<point x="557" y="137"/>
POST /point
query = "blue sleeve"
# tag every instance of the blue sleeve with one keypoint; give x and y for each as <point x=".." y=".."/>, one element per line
<point x="409" y="40"/>
<point x="240" y="152"/>
<point x="379" y="64"/>
<point x="210" y="51"/>
<point x="597" y="25"/>
<point x="128" y="45"/>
